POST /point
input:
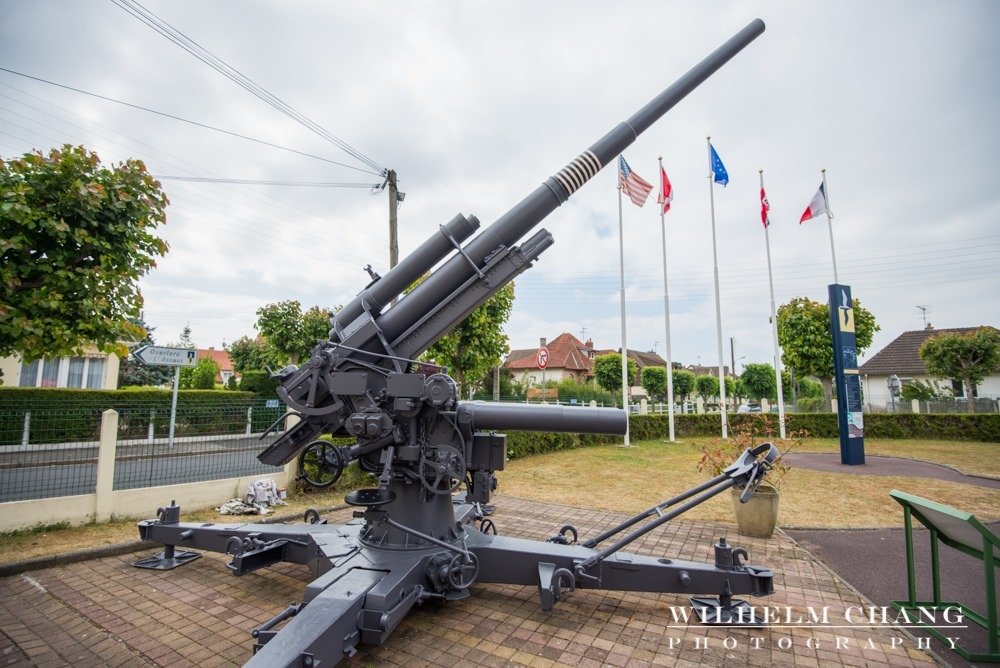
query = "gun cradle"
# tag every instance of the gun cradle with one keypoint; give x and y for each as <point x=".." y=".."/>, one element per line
<point x="414" y="541"/>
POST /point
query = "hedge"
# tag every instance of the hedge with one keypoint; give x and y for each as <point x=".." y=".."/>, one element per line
<point x="946" y="426"/>
<point x="67" y="415"/>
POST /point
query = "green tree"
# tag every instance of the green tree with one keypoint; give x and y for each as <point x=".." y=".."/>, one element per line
<point x="608" y="372"/>
<point x="292" y="333"/>
<point x="708" y="386"/>
<point x="133" y="373"/>
<point x="201" y="376"/>
<point x="74" y="239"/>
<point x="654" y="381"/>
<point x="683" y="384"/>
<point x="258" y="354"/>
<point x="204" y="374"/>
<point x="739" y="389"/>
<point x="921" y="390"/>
<point x="969" y="357"/>
<point x="807" y="342"/>
<point x="477" y="344"/>
<point x="758" y="381"/>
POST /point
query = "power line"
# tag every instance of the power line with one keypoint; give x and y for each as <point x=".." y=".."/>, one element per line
<point x="264" y="182"/>
<point x="180" y="39"/>
<point x="183" y="120"/>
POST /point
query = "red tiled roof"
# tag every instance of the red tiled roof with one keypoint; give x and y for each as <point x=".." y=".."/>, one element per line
<point x="565" y="352"/>
<point x="903" y="354"/>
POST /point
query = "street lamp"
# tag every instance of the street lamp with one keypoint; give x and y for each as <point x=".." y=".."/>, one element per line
<point x="894" y="384"/>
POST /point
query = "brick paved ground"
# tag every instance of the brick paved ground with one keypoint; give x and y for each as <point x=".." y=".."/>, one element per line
<point x="106" y="613"/>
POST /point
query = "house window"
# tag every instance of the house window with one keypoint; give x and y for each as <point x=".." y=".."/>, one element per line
<point x="95" y="373"/>
<point x="29" y="374"/>
<point x="75" y="378"/>
<point x="50" y="372"/>
<point x="958" y="389"/>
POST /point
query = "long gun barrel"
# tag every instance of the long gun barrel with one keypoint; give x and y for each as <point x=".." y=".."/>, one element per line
<point x="510" y="227"/>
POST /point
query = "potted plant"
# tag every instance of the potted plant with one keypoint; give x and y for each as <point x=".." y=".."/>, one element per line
<point x="759" y="515"/>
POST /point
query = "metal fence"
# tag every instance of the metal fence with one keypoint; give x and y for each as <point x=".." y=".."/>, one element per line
<point x="49" y="448"/>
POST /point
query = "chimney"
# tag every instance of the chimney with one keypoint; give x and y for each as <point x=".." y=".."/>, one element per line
<point x="589" y="343"/>
<point x="930" y="326"/>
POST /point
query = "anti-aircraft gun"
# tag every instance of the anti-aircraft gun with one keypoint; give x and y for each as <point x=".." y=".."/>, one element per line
<point x="416" y="540"/>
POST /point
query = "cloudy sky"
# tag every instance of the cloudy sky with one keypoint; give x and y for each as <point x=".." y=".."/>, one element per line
<point x="475" y="103"/>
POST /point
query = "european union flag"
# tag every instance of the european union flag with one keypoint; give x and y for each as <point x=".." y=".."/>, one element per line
<point x="721" y="175"/>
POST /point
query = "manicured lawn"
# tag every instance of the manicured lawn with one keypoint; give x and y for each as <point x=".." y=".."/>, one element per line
<point x="633" y="479"/>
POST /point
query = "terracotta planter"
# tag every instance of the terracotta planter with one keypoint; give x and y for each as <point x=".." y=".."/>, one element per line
<point x="758" y="516"/>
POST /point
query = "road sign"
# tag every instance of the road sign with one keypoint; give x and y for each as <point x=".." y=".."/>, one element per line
<point x="542" y="357"/>
<point x="157" y="356"/>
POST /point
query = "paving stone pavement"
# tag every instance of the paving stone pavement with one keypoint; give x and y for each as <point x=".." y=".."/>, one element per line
<point x="104" y="612"/>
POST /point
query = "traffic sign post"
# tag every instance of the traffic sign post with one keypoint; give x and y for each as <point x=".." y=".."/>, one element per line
<point x="542" y="358"/>
<point x="175" y="357"/>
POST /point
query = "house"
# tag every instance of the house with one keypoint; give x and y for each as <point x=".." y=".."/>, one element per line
<point x="568" y="358"/>
<point x="221" y="358"/>
<point x="902" y="359"/>
<point x="699" y="370"/>
<point x="92" y="370"/>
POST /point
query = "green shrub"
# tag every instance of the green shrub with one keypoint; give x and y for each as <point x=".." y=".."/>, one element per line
<point x="259" y="382"/>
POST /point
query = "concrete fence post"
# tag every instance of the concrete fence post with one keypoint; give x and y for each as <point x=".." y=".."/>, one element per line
<point x="643" y="406"/>
<point x="765" y="405"/>
<point x="699" y="405"/>
<point x="26" y="432"/>
<point x="104" y="492"/>
<point x="249" y="419"/>
<point x="915" y="405"/>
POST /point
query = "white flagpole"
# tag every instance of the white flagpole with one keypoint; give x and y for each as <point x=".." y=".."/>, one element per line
<point x="718" y="304"/>
<point x="774" y="328"/>
<point x="829" y="222"/>
<point x="621" y="255"/>
<point x="666" y="314"/>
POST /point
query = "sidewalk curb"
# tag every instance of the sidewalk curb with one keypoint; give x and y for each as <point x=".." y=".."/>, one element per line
<point x="52" y="560"/>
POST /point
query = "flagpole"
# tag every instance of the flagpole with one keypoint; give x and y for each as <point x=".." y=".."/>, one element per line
<point x="718" y="304"/>
<point x="829" y="222"/>
<point x="666" y="314"/>
<point x="774" y="324"/>
<point x="621" y="255"/>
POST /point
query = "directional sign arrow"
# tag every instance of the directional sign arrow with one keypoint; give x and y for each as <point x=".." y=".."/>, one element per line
<point x="157" y="356"/>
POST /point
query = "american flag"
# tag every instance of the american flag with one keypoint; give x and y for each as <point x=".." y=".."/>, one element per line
<point x="632" y="184"/>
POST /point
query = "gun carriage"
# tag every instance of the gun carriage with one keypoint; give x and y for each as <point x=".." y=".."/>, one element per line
<point x="413" y="538"/>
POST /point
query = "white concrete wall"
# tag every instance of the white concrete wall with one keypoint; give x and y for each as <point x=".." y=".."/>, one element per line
<point x="135" y="503"/>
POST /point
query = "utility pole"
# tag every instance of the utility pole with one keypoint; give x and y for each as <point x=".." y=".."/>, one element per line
<point x="394" y="198"/>
<point x="732" y="356"/>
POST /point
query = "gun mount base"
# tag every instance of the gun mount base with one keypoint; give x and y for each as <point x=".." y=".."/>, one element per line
<point x="362" y="591"/>
<point x="167" y="560"/>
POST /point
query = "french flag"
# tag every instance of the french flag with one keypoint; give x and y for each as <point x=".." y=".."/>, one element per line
<point x="817" y="207"/>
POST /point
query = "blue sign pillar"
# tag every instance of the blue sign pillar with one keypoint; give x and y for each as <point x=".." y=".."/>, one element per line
<point x="845" y="364"/>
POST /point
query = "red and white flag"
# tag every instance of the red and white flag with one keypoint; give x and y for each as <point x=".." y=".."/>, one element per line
<point x="817" y="207"/>
<point x="666" y="195"/>
<point x="632" y="184"/>
<point x="765" y="206"/>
